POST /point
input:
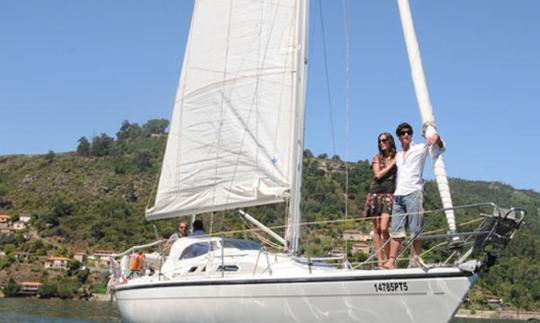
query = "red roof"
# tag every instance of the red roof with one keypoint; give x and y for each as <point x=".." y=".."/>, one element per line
<point x="31" y="284"/>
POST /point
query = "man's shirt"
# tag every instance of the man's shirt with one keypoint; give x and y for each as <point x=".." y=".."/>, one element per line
<point x="199" y="234"/>
<point x="175" y="236"/>
<point x="410" y="167"/>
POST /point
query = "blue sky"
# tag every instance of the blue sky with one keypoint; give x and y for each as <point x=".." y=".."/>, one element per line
<point x="79" y="68"/>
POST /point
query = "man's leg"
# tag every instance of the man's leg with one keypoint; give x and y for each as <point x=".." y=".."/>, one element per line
<point x="395" y="245"/>
<point x="397" y="232"/>
<point x="417" y="247"/>
<point x="413" y="204"/>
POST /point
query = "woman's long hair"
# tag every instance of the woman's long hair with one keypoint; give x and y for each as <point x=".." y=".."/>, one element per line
<point x="392" y="151"/>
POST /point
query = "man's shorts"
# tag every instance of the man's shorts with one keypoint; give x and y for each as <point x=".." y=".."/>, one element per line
<point x="407" y="213"/>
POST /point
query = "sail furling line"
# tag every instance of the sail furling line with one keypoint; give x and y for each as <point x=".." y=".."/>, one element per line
<point x="345" y="10"/>
<point x="426" y="111"/>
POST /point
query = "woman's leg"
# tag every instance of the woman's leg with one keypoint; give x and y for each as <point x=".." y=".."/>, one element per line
<point x="377" y="241"/>
<point x="385" y="234"/>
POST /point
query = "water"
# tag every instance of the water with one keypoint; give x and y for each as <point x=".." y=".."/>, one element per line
<point x="463" y="320"/>
<point x="32" y="310"/>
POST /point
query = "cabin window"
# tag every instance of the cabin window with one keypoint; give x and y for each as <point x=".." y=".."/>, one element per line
<point x="241" y="244"/>
<point x="196" y="250"/>
<point x="193" y="269"/>
<point x="227" y="268"/>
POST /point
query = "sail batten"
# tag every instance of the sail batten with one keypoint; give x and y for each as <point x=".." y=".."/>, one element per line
<point x="229" y="145"/>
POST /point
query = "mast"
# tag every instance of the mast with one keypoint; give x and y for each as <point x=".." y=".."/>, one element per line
<point x="292" y="234"/>
<point x="426" y="111"/>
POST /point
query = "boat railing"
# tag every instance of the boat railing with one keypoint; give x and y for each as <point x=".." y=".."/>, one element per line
<point x="137" y="248"/>
<point x="495" y="230"/>
<point x="120" y="270"/>
<point x="495" y="227"/>
<point x="268" y="265"/>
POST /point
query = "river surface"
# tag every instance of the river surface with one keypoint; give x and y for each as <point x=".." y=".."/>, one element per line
<point x="32" y="310"/>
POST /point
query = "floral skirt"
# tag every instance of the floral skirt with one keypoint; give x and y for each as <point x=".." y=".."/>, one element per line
<point x="378" y="203"/>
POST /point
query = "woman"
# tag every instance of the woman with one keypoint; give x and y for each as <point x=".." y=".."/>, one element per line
<point x="380" y="195"/>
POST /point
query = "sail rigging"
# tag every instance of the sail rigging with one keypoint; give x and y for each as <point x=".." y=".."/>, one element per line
<point x="292" y="234"/>
<point x="236" y="133"/>
<point x="236" y="140"/>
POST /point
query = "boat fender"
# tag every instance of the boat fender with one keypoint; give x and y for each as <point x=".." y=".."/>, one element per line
<point x="136" y="261"/>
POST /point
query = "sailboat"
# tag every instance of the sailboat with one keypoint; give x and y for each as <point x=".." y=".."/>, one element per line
<point x="236" y="140"/>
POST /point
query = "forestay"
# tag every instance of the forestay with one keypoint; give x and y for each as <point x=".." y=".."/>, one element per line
<point x="234" y="132"/>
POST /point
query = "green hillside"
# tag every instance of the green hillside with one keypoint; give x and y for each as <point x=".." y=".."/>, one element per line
<point x="95" y="198"/>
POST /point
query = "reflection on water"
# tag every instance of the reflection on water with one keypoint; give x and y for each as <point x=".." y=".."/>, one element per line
<point x="55" y="310"/>
<point x="34" y="310"/>
<point x="463" y="320"/>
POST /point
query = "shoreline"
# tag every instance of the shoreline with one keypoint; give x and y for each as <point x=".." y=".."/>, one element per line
<point x="101" y="298"/>
<point x="93" y="298"/>
<point x="499" y="315"/>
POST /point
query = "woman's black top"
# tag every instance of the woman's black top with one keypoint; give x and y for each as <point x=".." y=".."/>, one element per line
<point x="386" y="184"/>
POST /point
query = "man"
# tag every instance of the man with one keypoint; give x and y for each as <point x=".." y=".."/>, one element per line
<point x="198" y="229"/>
<point x="407" y="212"/>
<point x="182" y="232"/>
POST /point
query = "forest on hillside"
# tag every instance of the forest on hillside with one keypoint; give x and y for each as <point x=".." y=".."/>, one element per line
<point x="95" y="197"/>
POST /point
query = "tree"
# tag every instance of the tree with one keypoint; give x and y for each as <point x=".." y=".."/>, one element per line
<point x="143" y="160"/>
<point x="102" y="145"/>
<point x="12" y="288"/>
<point x="5" y="203"/>
<point x="62" y="251"/>
<point x="336" y="158"/>
<point x="77" y="270"/>
<point x="36" y="247"/>
<point x="128" y="131"/>
<point x="83" y="148"/>
<point x="308" y="153"/>
<point x="155" y="126"/>
<point x="50" y="156"/>
<point x="62" y="208"/>
<point x="47" y="290"/>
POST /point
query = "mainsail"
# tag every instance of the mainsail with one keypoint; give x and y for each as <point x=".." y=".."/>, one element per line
<point x="426" y="111"/>
<point x="238" y="114"/>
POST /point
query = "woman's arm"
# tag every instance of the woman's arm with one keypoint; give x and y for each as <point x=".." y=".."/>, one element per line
<point x="378" y="170"/>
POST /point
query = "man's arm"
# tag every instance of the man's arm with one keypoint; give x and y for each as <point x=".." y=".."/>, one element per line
<point x="435" y="139"/>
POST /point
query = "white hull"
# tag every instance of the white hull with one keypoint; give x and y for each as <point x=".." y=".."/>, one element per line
<point x="403" y="295"/>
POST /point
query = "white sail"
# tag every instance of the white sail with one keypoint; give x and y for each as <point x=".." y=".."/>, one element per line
<point x="426" y="111"/>
<point x="235" y="123"/>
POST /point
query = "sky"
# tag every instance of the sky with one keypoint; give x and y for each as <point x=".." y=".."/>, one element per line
<point x="80" y="68"/>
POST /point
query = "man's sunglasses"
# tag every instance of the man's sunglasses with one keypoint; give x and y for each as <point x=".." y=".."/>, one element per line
<point x="405" y="132"/>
